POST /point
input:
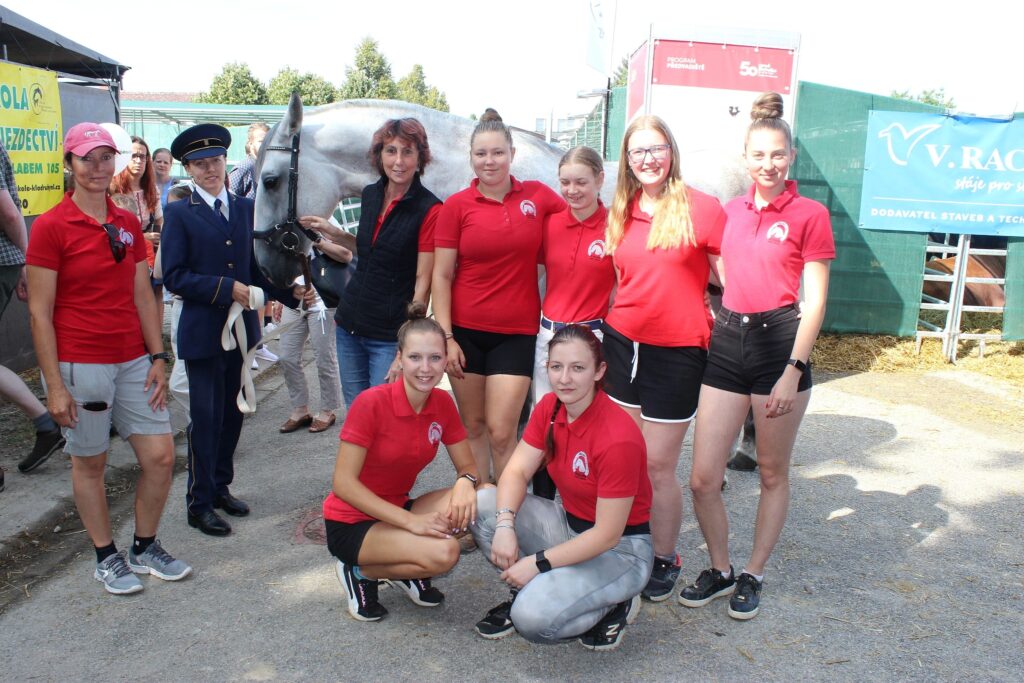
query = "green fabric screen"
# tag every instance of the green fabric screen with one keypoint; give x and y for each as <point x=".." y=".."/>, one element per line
<point x="875" y="284"/>
<point x="1013" y="314"/>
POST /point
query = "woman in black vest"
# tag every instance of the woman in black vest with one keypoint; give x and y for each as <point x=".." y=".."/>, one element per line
<point x="395" y="247"/>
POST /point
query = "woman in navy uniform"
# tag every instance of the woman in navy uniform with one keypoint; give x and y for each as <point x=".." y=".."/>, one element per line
<point x="208" y="260"/>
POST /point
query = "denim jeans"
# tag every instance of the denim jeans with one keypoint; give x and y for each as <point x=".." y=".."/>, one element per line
<point x="567" y="601"/>
<point x="362" y="362"/>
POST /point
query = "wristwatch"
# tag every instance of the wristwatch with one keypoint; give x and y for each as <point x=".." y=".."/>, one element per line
<point x="469" y="476"/>
<point x="543" y="563"/>
<point x="798" y="364"/>
<point x="163" y="355"/>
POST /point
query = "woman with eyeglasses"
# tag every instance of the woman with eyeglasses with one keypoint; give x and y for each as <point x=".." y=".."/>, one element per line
<point x="664" y="238"/>
<point x="100" y="350"/>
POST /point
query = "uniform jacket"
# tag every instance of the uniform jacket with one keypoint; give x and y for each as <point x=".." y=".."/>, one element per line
<point x="202" y="258"/>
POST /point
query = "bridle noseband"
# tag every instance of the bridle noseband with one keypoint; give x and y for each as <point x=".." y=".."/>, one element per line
<point x="285" y="233"/>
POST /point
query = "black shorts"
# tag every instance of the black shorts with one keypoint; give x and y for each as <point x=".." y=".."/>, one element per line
<point x="345" y="540"/>
<point x="493" y="353"/>
<point x="664" y="385"/>
<point x="748" y="352"/>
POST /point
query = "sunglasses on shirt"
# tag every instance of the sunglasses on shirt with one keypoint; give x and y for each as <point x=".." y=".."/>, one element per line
<point x="117" y="247"/>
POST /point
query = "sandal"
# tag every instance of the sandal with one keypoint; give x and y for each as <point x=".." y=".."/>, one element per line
<point x="321" y="425"/>
<point x="292" y="425"/>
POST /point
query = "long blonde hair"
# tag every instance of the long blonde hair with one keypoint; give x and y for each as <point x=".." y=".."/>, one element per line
<point x="672" y="225"/>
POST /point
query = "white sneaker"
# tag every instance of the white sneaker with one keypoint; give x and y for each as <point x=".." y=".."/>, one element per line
<point x="266" y="354"/>
<point x="116" y="576"/>
<point x="255" y="365"/>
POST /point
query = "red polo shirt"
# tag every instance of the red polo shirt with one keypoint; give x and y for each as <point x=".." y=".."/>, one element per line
<point x="399" y="443"/>
<point x="660" y="299"/>
<point x="94" y="314"/>
<point x="499" y="245"/>
<point x="764" y="250"/>
<point x="580" y="276"/>
<point x="600" y="454"/>
<point x="426" y="236"/>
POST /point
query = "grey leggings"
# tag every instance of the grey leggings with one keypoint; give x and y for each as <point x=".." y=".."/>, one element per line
<point x="565" y="602"/>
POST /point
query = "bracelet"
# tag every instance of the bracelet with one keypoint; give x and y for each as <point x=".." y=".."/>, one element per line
<point x="504" y="510"/>
<point x="504" y="526"/>
<point x="448" y="335"/>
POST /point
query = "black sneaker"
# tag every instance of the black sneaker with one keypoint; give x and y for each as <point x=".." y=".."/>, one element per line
<point x="744" y="602"/>
<point x="47" y="443"/>
<point x="419" y="591"/>
<point x="362" y="595"/>
<point x="498" y="622"/>
<point x="663" y="579"/>
<point x="708" y="586"/>
<point x="607" y="633"/>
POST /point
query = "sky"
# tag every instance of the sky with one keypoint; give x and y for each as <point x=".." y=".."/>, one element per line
<point x="527" y="58"/>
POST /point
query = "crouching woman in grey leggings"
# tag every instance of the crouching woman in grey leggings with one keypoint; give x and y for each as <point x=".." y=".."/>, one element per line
<point x="575" y="572"/>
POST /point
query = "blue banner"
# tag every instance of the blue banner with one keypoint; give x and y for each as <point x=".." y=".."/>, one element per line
<point x="937" y="173"/>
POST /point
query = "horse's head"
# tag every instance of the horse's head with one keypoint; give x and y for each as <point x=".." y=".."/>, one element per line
<point x="279" y="243"/>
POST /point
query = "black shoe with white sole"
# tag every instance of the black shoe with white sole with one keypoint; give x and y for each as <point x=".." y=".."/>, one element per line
<point x="361" y="593"/>
<point x="710" y="584"/>
<point x="745" y="602"/>
<point x="498" y="622"/>
<point x="607" y="634"/>
<point x="419" y="591"/>
<point x="663" y="579"/>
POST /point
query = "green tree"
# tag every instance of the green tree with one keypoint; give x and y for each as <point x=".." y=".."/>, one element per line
<point x="413" y="88"/>
<point x="371" y="75"/>
<point x="234" y="85"/>
<point x="621" y="76"/>
<point x="313" y="89"/>
<point x="933" y="96"/>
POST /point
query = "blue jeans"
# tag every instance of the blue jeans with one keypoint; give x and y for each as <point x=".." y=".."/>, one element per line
<point x="362" y="362"/>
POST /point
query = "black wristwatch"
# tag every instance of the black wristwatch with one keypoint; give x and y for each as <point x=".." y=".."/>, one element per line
<point x="469" y="476"/>
<point x="543" y="564"/>
<point x="163" y="355"/>
<point x="798" y="364"/>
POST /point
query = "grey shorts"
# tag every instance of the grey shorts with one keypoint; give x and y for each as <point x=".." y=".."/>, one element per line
<point x="119" y="386"/>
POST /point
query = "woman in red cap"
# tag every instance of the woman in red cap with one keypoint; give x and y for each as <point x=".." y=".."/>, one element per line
<point x="101" y="354"/>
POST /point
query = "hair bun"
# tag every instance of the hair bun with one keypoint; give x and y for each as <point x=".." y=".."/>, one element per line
<point x="767" y="106"/>
<point x="490" y="115"/>
<point x="417" y="310"/>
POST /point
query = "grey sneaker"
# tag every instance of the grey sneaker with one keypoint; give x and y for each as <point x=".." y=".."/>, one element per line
<point x="158" y="562"/>
<point x="116" y="577"/>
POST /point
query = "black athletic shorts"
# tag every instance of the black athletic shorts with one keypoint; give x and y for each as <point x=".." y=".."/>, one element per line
<point x="749" y="351"/>
<point x="345" y="540"/>
<point x="493" y="353"/>
<point x="662" y="381"/>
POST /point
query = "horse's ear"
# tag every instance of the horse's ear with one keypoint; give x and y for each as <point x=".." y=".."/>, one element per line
<point x="292" y="121"/>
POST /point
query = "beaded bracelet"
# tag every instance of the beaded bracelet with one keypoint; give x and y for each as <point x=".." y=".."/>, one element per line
<point x="504" y="526"/>
<point x="504" y="510"/>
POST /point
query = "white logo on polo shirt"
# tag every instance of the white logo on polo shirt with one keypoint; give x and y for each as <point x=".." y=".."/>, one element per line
<point x="434" y="433"/>
<point x="125" y="237"/>
<point x="580" y="465"/>
<point x="778" y="232"/>
<point x="528" y="208"/>
<point x="596" y="249"/>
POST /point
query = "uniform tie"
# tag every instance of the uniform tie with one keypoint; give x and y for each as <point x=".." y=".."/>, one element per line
<point x="218" y="207"/>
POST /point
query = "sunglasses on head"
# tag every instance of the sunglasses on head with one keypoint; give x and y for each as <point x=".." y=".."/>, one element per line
<point x="117" y="247"/>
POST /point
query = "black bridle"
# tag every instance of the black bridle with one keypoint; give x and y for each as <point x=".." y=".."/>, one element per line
<point x="285" y="233"/>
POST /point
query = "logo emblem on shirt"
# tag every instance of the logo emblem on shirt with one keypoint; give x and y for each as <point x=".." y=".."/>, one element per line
<point x="125" y="237"/>
<point x="596" y="249"/>
<point x="434" y="433"/>
<point x="580" y="465"/>
<point x="528" y="208"/>
<point x="778" y="232"/>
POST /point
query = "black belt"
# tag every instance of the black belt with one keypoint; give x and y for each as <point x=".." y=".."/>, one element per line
<point x="731" y="318"/>
<point x="580" y="525"/>
<point x="555" y="327"/>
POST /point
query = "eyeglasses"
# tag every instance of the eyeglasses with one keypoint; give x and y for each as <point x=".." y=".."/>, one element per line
<point x="117" y="247"/>
<point x="638" y="154"/>
<point x="139" y="156"/>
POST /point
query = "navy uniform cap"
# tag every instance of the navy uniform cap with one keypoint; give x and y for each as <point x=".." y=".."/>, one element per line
<point x="201" y="141"/>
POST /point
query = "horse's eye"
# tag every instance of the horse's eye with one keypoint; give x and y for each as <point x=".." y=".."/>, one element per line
<point x="270" y="181"/>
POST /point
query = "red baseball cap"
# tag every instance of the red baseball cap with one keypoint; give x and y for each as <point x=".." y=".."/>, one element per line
<point x="82" y="138"/>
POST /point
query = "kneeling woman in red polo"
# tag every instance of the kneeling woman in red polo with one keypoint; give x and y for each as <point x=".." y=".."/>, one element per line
<point x="391" y="434"/>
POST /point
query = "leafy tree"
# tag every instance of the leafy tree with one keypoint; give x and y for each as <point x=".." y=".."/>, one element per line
<point x="313" y="89"/>
<point x="933" y="96"/>
<point x="621" y="76"/>
<point x="234" y="85"/>
<point x="413" y="88"/>
<point x="371" y="75"/>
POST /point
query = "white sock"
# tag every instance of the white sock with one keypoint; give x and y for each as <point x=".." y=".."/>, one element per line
<point x="759" y="578"/>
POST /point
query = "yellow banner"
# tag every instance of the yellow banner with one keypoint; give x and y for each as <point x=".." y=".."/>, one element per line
<point x="31" y="132"/>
